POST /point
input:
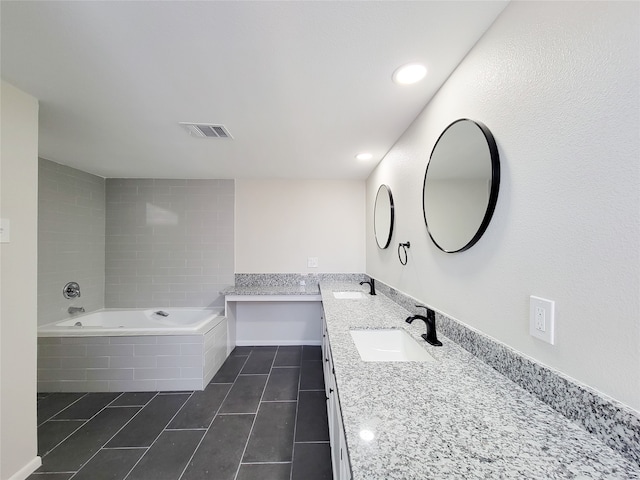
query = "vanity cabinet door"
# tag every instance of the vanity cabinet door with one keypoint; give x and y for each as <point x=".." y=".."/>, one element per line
<point x="339" y="458"/>
<point x="345" y="471"/>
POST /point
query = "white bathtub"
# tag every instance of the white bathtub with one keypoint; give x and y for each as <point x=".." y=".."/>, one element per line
<point x="108" y="322"/>
<point x="132" y="350"/>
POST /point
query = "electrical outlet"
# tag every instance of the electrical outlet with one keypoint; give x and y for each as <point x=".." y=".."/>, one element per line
<point x="312" y="262"/>
<point x="541" y="319"/>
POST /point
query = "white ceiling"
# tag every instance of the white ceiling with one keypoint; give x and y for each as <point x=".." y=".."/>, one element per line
<point x="302" y="86"/>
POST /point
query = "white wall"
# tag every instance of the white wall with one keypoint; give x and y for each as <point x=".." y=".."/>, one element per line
<point x="280" y="223"/>
<point x="18" y="282"/>
<point x="558" y="85"/>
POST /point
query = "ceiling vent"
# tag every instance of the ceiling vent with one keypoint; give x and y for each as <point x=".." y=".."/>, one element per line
<point x="208" y="130"/>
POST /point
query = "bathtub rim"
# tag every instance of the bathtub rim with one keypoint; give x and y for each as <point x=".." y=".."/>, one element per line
<point x="50" y="329"/>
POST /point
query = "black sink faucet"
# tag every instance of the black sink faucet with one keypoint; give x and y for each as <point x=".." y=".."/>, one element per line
<point x="430" y="322"/>
<point x="372" y="284"/>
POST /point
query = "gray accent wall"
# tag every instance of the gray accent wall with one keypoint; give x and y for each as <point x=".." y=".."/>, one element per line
<point x="169" y="243"/>
<point x="71" y="239"/>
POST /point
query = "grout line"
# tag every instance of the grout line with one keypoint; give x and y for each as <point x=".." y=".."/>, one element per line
<point x="43" y="474"/>
<point x="184" y="429"/>
<point x="60" y="420"/>
<point x="244" y="451"/>
<point x="265" y="463"/>
<point x="158" y="436"/>
<point x="212" y="419"/>
<point x="60" y="411"/>
<point x="84" y="422"/>
<point x="119" y="430"/>
<point x="226" y="414"/>
<point x="126" y="406"/>
<point x="295" y="421"/>
<point x="124" y="448"/>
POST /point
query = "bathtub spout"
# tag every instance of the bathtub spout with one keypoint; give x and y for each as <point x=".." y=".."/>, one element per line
<point x="73" y="310"/>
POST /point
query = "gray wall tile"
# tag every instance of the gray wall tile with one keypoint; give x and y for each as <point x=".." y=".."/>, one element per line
<point x="132" y="242"/>
<point x="71" y="239"/>
<point x="169" y="242"/>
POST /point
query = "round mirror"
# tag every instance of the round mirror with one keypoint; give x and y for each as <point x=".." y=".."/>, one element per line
<point x="460" y="187"/>
<point x="383" y="217"/>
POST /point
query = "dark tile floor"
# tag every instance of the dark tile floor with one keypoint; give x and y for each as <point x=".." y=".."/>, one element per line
<point x="263" y="416"/>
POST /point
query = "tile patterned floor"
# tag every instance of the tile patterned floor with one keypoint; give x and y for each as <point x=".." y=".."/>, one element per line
<point x="263" y="416"/>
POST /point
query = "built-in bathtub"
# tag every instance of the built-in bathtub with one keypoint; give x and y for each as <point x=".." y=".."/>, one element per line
<point x="159" y="349"/>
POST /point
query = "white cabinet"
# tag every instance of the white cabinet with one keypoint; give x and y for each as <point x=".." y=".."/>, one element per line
<point x="339" y="457"/>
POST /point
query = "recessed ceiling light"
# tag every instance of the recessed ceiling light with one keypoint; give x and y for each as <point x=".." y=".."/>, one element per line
<point x="364" y="156"/>
<point x="410" y="73"/>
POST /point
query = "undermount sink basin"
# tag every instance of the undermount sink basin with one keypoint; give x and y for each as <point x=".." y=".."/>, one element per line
<point x="388" y="346"/>
<point x="348" y="295"/>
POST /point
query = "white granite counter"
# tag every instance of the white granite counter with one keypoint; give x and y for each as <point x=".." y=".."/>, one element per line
<point x="456" y="418"/>
<point x="250" y="290"/>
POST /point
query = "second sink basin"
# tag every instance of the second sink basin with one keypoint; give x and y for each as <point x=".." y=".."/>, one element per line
<point x="348" y="295"/>
<point x="388" y="346"/>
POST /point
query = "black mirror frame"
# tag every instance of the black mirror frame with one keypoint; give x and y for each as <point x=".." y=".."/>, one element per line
<point x="493" y="194"/>
<point x="392" y="221"/>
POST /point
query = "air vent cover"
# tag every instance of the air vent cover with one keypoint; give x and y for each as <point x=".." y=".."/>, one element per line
<point x="208" y="130"/>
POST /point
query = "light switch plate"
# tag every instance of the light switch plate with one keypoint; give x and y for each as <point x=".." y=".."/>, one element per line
<point x="5" y="230"/>
<point x="541" y="319"/>
<point x="312" y="262"/>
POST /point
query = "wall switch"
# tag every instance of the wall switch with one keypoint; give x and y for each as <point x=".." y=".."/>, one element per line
<point x="5" y="231"/>
<point x="312" y="262"/>
<point x="541" y="319"/>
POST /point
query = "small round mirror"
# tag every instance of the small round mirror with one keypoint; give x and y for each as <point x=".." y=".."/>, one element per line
<point x="383" y="217"/>
<point x="461" y="183"/>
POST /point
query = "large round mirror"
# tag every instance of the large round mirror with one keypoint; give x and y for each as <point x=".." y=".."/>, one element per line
<point x="460" y="187"/>
<point x="383" y="217"/>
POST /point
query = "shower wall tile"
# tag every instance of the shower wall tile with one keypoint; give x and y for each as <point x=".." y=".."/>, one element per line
<point x="169" y="242"/>
<point x="71" y="239"/>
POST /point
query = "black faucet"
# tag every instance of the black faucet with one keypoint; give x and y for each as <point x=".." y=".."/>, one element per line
<point x="372" y="284"/>
<point x="430" y="322"/>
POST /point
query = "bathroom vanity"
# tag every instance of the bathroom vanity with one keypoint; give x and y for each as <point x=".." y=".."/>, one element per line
<point x="448" y="415"/>
<point x="455" y="417"/>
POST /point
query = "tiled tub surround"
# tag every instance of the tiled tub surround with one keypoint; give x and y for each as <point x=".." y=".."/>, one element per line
<point x="615" y="424"/>
<point x="71" y="239"/>
<point x="168" y="242"/>
<point x="132" y="363"/>
<point x="455" y="418"/>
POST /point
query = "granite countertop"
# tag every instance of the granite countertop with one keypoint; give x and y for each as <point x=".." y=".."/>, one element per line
<point x="271" y="290"/>
<point x="456" y="418"/>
